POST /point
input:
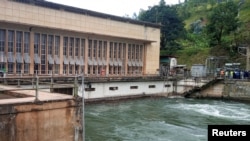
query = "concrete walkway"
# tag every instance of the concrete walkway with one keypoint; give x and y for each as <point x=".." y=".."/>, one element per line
<point x="31" y="96"/>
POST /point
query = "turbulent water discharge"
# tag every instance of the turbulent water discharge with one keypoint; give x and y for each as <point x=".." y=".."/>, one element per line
<point x="166" y="119"/>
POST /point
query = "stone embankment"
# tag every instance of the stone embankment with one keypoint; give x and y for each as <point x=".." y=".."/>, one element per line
<point x="232" y="89"/>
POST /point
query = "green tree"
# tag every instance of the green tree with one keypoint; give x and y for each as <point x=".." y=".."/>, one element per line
<point x="222" y="21"/>
<point x="172" y="26"/>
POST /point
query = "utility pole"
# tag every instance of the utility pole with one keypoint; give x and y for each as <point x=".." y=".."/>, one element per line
<point x="83" y="120"/>
<point x="37" y="85"/>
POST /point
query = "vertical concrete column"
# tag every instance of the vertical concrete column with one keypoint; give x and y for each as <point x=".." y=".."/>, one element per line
<point x="31" y="52"/>
<point x="6" y="51"/>
<point x="86" y="50"/>
<point x="79" y="55"/>
<point x="61" y="55"/>
<point x="67" y="55"/>
<point x="126" y="59"/>
<point x="144" y="59"/>
<point x="107" y="54"/>
<point x="22" y="53"/>
<point x="14" y="53"/>
<point x="97" y="57"/>
<point x="73" y="55"/>
<point x="39" y="54"/>
<point x="91" y="55"/>
<point x="53" y="53"/>
<point x="46" y="58"/>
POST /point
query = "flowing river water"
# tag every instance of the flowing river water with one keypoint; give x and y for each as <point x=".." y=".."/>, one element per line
<point x="161" y="119"/>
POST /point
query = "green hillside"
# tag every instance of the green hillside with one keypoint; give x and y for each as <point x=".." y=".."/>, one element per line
<point x="195" y="51"/>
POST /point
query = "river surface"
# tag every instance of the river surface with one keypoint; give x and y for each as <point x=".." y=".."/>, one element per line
<point x="164" y="119"/>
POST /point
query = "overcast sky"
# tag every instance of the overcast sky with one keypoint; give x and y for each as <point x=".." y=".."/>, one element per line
<point x="114" y="7"/>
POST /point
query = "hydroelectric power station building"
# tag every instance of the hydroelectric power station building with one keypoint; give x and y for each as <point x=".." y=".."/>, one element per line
<point x="46" y="38"/>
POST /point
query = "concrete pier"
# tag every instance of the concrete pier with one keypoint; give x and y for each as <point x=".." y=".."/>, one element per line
<point x="54" y="116"/>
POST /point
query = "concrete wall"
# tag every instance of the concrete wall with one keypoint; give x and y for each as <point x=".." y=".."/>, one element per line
<point x="126" y="89"/>
<point x="46" y="17"/>
<point x="237" y="89"/>
<point x="57" y="121"/>
<point x="231" y="89"/>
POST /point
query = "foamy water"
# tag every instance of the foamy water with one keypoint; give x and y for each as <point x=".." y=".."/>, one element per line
<point x="174" y="119"/>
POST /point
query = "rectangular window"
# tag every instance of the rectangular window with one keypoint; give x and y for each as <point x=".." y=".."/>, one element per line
<point x="2" y="40"/>
<point x="26" y="42"/>
<point x="167" y="85"/>
<point x="95" y="49"/>
<point x="2" y="66"/>
<point x="82" y="47"/>
<point x="124" y="50"/>
<point x="10" y="68"/>
<point x="10" y="41"/>
<point x="56" y="69"/>
<point x="100" y="51"/>
<point x="137" y="52"/>
<point x="111" y="50"/>
<point x="90" y="49"/>
<point x="50" y="44"/>
<point x="71" y="47"/>
<point x="133" y="87"/>
<point x="26" y="68"/>
<point x="50" y="68"/>
<point x="77" y="47"/>
<point x="120" y="51"/>
<point x="57" y="45"/>
<point x="18" y="68"/>
<point x="94" y="70"/>
<point x="104" y="49"/>
<point x="65" y="46"/>
<point x="151" y="86"/>
<point x="115" y="70"/>
<point x="71" y="69"/>
<point x="65" y="69"/>
<point x="89" y="69"/>
<point x="129" y="51"/>
<point x="113" y="88"/>
<point x="115" y="50"/>
<point x="110" y="69"/>
<point x="89" y="89"/>
<point x="43" y="53"/>
<point x="19" y="39"/>
<point x="133" y="52"/>
<point x="119" y="70"/>
<point x="129" y="70"/>
<point x="36" y="43"/>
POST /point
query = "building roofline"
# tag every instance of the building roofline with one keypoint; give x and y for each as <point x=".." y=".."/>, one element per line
<point x="67" y="8"/>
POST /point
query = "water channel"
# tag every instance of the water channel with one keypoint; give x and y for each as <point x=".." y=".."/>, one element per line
<point x="161" y="119"/>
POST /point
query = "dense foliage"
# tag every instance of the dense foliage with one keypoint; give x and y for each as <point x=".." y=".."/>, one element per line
<point x="222" y="21"/>
<point x="172" y="26"/>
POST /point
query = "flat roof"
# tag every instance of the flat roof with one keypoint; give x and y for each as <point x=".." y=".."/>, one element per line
<point x="67" y="8"/>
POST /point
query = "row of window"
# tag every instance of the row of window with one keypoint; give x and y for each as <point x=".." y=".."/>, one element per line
<point x="50" y="44"/>
<point x="47" y="52"/>
<point x="18" y="39"/>
<point x="20" y="68"/>
<point x="131" y="87"/>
